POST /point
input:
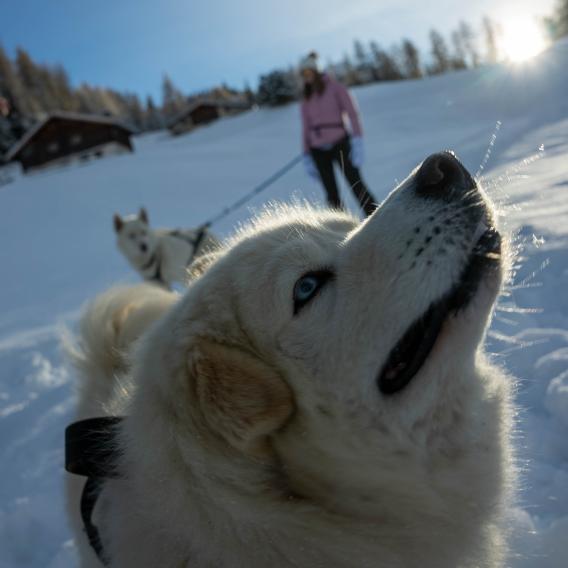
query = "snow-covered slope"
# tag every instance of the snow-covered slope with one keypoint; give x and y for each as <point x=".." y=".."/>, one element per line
<point x="57" y="250"/>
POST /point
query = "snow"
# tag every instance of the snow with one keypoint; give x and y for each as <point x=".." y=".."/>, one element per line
<point x="58" y="251"/>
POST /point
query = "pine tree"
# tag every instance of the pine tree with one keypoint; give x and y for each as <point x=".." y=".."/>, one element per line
<point x="469" y="43"/>
<point x="173" y="102"/>
<point x="134" y="111"/>
<point x="84" y="98"/>
<point x="64" y="95"/>
<point x="363" y="67"/>
<point x="10" y="86"/>
<point x="347" y="72"/>
<point x="105" y="102"/>
<point x="153" y="119"/>
<point x="411" y="60"/>
<point x="29" y="76"/>
<point x="12" y="123"/>
<point x="385" y="66"/>
<point x="441" y="60"/>
<point x="47" y="95"/>
<point x="490" y="40"/>
<point x="459" y="55"/>
<point x="33" y="90"/>
<point x="276" y="88"/>
<point x="6" y="136"/>
<point x="560" y="19"/>
<point x="249" y="95"/>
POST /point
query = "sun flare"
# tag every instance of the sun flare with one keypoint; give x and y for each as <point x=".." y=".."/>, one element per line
<point x="521" y="40"/>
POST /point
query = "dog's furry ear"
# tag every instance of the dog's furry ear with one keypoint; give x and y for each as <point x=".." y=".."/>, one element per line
<point x="241" y="398"/>
<point x="118" y="222"/>
<point x="143" y="215"/>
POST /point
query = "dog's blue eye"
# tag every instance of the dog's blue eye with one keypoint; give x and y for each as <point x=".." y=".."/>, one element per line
<point x="308" y="286"/>
<point x="305" y="288"/>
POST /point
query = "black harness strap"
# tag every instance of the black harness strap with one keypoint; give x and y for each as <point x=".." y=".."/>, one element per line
<point x="89" y="498"/>
<point x="158" y="275"/>
<point x="91" y="451"/>
<point x="195" y="243"/>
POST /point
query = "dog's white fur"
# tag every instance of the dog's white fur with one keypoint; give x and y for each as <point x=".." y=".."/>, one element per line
<point x="258" y="438"/>
<point x="161" y="252"/>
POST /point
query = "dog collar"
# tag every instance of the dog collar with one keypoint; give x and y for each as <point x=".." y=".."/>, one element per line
<point x="91" y="451"/>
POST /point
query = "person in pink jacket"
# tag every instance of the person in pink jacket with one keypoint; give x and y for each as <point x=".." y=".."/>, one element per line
<point x="325" y="105"/>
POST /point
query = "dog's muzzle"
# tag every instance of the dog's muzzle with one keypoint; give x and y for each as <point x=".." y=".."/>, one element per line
<point x="442" y="178"/>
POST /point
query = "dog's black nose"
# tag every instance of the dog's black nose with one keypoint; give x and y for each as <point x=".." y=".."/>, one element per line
<point x="442" y="176"/>
<point x="143" y="247"/>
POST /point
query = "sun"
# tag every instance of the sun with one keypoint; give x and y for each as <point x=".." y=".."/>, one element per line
<point x="522" y="39"/>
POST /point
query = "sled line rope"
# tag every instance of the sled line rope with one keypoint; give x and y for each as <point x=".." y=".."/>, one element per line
<point x="253" y="192"/>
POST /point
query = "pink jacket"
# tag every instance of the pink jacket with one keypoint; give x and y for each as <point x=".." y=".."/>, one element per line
<point x="323" y="116"/>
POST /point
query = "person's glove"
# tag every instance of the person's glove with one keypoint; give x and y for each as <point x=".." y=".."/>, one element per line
<point x="310" y="167"/>
<point x="357" y="154"/>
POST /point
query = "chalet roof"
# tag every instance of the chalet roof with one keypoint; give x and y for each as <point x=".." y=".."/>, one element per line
<point x="219" y="103"/>
<point x="71" y="116"/>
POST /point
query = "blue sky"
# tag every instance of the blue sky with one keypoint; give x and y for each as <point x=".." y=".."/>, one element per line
<point x="129" y="44"/>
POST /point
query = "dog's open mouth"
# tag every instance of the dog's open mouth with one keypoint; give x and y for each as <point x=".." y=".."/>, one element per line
<point x="410" y="353"/>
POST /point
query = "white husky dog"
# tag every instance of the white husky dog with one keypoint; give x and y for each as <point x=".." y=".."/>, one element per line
<point x="160" y="255"/>
<point x="318" y="397"/>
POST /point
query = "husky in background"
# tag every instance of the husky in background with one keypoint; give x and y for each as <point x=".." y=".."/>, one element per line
<point x="159" y="255"/>
<point x="319" y="395"/>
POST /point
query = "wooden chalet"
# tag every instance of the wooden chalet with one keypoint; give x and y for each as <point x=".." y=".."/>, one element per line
<point x="62" y="137"/>
<point x="205" y="111"/>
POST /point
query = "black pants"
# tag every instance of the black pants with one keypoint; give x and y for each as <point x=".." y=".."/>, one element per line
<point x="339" y="153"/>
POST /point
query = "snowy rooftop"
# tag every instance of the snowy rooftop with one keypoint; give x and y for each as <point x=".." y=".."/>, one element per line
<point x="71" y="116"/>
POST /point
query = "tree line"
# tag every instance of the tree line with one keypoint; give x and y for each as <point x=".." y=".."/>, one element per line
<point x="30" y="90"/>
<point x="465" y="48"/>
<point x="557" y="23"/>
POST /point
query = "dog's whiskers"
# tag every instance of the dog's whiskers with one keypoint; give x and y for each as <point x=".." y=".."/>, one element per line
<point x="533" y="274"/>
<point x="514" y="169"/>
<point x="513" y="309"/>
<point x="522" y="286"/>
<point x="519" y="346"/>
<point x="489" y="150"/>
